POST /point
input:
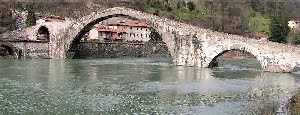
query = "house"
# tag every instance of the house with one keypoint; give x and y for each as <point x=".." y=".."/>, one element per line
<point x="49" y="19"/>
<point x="294" y="25"/>
<point x="54" y="19"/>
<point x="134" y="31"/>
<point x="105" y="34"/>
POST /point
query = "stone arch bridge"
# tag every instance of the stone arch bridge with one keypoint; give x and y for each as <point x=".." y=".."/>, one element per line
<point x="188" y="45"/>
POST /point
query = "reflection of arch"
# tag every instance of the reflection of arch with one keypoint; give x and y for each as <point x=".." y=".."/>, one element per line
<point x="217" y="51"/>
<point x="43" y="33"/>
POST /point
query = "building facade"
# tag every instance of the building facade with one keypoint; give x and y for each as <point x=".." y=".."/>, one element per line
<point x="134" y="31"/>
<point x="105" y="34"/>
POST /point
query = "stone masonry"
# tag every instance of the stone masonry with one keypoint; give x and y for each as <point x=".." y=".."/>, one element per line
<point x="188" y="45"/>
<point x="92" y="50"/>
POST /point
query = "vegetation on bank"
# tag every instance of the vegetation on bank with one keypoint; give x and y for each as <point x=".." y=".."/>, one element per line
<point x="252" y="18"/>
<point x="248" y="18"/>
<point x="31" y="20"/>
<point x="295" y="104"/>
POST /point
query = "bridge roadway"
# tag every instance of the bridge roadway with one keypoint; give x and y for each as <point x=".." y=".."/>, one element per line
<point x="188" y="45"/>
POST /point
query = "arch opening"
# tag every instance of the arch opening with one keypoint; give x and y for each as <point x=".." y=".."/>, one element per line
<point x="235" y="58"/>
<point x="6" y="51"/>
<point x="116" y="33"/>
<point x="43" y="33"/>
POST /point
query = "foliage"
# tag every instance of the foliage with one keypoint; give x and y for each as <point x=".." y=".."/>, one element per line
<point x="178" y="5"/>
<point x="295" y="38"/>
<point x="295" y="104"/>
<point x="31" y="20"/>
<point x="156" y="13"/>
<point x="259" y="23"/>
<point x="220" y="15"/>
<point x="279" y="24"/>
<point x="191" y="5"/>
<point x="154" y="35"/>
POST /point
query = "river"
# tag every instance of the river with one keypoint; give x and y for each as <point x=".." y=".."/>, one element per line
<point x="140" y="86"/>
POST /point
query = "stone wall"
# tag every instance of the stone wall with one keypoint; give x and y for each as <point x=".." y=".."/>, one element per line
<point x="30" y="50"/>
<point x="121" y="50"/>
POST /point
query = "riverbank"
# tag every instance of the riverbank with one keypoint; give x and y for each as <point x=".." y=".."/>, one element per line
<point x="295" y="104"/>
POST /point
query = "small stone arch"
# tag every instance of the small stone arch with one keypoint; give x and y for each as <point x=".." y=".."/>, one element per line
<point x="7" y="50"/>
<point x="43" y="33"/>
<point x="218" y="50"/>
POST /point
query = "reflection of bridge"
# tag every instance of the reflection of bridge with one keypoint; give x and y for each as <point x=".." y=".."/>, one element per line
<point x="188" y="45"/>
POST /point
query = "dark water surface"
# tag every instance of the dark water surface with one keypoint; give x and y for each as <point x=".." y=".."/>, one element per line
<point x="140" y="86"/>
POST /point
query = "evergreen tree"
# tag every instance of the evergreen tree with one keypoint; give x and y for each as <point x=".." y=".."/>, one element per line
<point x="156" y="13"/>
<point x="31" y="20"/>
<point x="279" y="24"/>
<point x="154" y="35"/>
<point x="178" y="5"/>
<point x="191" y="6"/>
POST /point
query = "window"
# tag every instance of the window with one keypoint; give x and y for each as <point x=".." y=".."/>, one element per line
<point x="137" y="28"/>
<point x="141" y="28"/>
<point x="141" y="35"/>
<point x="133" y="35"/>
<point x="130" y="27"/>
<point x="130" y="34"/>
<point x="146" y="29"/>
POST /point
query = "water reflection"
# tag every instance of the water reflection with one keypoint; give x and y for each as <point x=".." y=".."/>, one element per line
<point x="137" y="86"/>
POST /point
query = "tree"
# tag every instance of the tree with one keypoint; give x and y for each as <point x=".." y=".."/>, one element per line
<point x="191" y="6"/>
<point x="156" y="13"/>
<point x="279" y="24"/>
<point x="154" y="35"/>
<point x="31" y="20"/>
<point x="181" y="4"/>
<point x="178" y="4"/>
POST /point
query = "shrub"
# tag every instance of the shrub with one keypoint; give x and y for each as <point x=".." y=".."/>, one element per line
<point x="191" y="6"/>
<point x="31" y="20"/>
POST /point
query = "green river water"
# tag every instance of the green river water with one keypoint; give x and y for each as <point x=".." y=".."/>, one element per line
<point x="140" y="86"/>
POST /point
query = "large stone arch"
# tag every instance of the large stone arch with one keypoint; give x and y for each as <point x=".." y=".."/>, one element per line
<point x="76" y="30"/>
<point x="89" y="26"/>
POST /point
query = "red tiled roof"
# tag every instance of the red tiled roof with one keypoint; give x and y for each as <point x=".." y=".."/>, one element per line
<point x="52" y="19"/>
<point x="104" y="29"/>
<point x="131" y="24"/>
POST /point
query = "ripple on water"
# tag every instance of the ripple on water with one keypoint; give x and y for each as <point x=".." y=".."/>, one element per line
<point x="124" y="86"/>
<point x="17" y="97"/>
